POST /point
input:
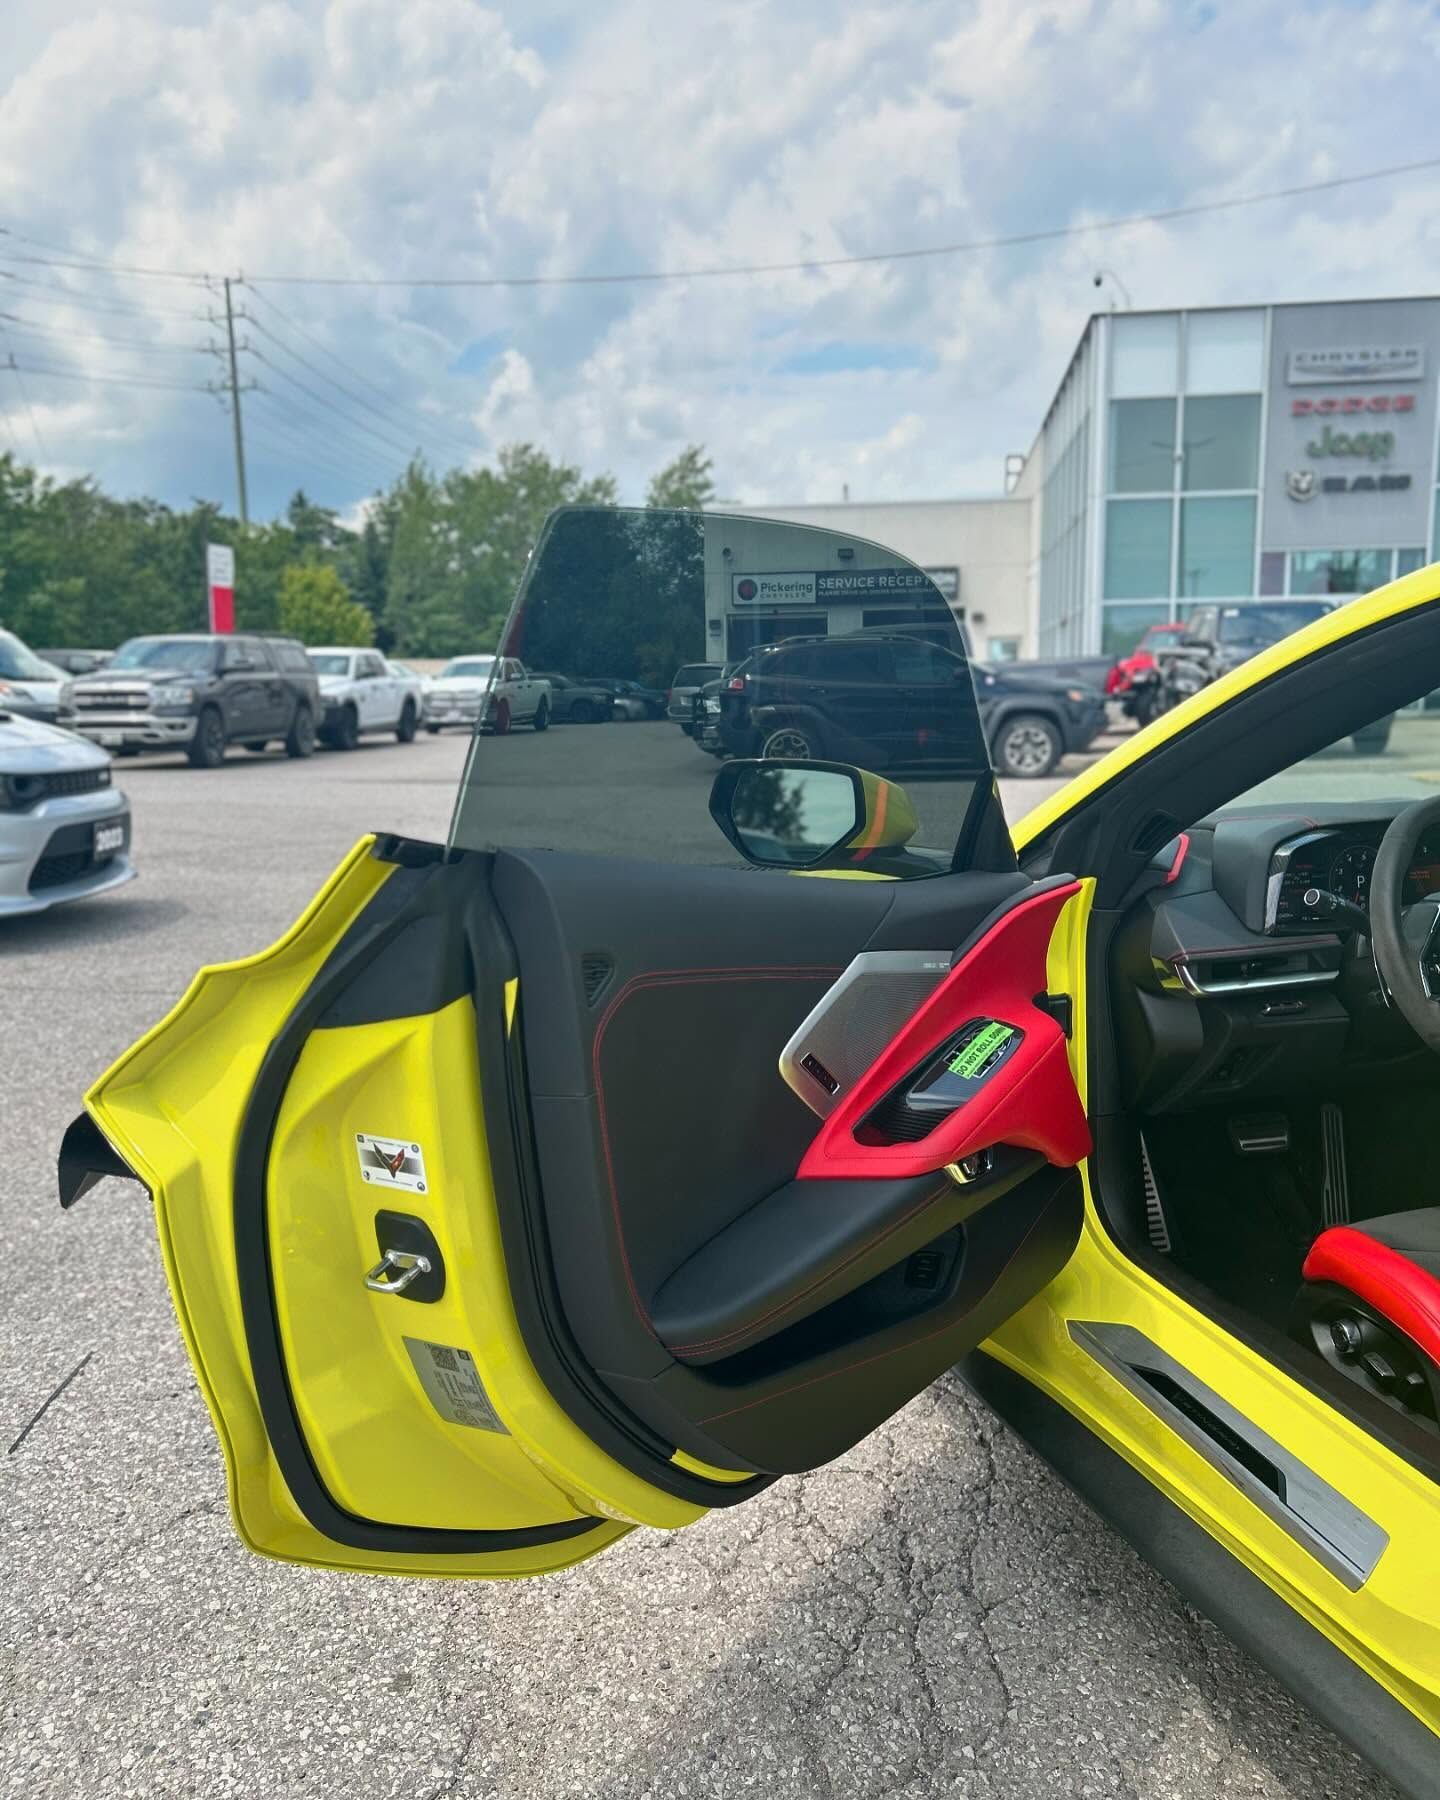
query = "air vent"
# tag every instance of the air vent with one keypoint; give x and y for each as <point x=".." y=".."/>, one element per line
<point x="596" y="968"/>
<point x="1155" y="834"/>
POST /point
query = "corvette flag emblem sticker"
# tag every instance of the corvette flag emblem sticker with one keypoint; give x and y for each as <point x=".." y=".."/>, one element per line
<point x="391" y="1162"/>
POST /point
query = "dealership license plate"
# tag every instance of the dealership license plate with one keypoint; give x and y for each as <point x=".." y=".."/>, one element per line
<point x="108" y="839"/>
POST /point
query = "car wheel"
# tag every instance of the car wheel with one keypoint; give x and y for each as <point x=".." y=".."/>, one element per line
<point x="405" y="730"/>
<point x="792" y="743"/>
<point x="207" y="747"/>
<point x="1373" y="739"/>
<point x="300" y="739"/>
<point x="258" y="745"/>
<point x="345" y="732"/>
<point x="541" y="721"/>
<point x="501" y="722"/>
<point x="582" y="712"/>
<point x="1027" y="747"/>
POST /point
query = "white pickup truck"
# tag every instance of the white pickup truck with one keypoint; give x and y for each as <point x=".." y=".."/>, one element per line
<point x="360" y="692"/>
<point x="516" y="697"/>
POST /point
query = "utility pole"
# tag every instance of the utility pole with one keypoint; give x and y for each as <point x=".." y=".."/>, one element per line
<point x="234" y="385"/>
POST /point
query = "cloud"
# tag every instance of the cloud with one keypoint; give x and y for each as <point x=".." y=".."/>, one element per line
<point x="361" y="138"/>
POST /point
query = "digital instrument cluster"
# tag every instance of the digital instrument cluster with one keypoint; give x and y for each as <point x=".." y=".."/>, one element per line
<point x="1317" y="864"/>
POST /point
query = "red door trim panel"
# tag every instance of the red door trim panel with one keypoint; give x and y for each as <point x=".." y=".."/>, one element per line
<point x="1398" y="1289"/>
<point x="1030" y="1102"/>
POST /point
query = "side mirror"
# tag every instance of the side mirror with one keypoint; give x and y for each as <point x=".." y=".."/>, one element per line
<point x="244" y="666"/>
<point x="799" y="815"/>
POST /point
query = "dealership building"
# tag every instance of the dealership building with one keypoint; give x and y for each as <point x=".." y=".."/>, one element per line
<point x="1219" y="453"/>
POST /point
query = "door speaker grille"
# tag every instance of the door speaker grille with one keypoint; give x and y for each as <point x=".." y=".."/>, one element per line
<point x="596" y="968"/>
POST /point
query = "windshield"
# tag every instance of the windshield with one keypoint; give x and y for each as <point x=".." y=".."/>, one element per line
<point x="329" y="663"/>
<point x="194" y="654"/>
<point x="469" y="668"/>
<point x="1267" y="624"/>
<point x="18" y="662"/>
<point x="695" y="674"/>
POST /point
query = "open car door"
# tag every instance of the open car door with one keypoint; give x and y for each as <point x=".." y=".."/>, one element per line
<point x="628" y="1151"/>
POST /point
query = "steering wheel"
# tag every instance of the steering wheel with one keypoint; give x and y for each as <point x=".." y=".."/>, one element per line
<point x="1407" y="938"/>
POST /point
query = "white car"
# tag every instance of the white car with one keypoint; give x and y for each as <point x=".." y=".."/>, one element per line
<point x="64" y="829"/>
<point x="510" y="695"/>
<point x="360" y="692"/>
<point x="29" y="686"/>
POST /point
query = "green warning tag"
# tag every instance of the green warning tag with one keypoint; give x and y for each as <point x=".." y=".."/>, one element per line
<point x="986" y="1042"/>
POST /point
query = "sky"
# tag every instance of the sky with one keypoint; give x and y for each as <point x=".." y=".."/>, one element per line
<point x="391" y="140"/>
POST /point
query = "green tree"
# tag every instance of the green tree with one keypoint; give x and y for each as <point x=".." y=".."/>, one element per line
<point x="688" y="482"/>
<point x="316" y="607"/>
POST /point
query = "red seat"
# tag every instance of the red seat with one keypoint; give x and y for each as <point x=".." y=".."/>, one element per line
<point x="1371" y="1305"/>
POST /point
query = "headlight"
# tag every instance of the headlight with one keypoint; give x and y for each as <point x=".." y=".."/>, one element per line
<point x="19" y="791"/>
<point x="174" y="699"/>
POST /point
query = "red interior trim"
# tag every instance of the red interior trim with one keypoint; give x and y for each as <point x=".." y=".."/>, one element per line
<point x="1182" y="850"/>
<point x="1030" y="1102"/>
<point x="1398" y="1289"/>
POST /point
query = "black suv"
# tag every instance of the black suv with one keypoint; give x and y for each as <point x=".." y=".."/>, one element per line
<point x="200" y="694"/>
<point x="886" y="700"/>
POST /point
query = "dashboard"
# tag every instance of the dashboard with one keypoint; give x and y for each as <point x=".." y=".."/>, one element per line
<point x="1338" y="861"/>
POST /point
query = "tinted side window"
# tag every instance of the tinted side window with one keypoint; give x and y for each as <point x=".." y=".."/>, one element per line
<point x="370" y="666"/>
<point x="241" y="650"/>
<point x="923" y="663"/>
<point x="292" y="659"/>
<point x="854" y="662"/>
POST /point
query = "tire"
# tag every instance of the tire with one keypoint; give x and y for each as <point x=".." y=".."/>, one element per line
<point x="1027" y="747"/>
<point x="541" y="720"/>
<point x="793" y="743"/>
<point x="405" y="730"/>
<point x="1372" y="741"/>
<point x="206" y="749"/>
<point x="434" y="730"/>
<point x="582" y="712"/>
<point x="300" y="738"/>
<point x="258" y="745"/>
<point x="502" y="721"/>
<point x="345" y="732"/>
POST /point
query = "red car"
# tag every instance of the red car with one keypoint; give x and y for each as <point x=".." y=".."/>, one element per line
<point x="1142" y="657"/>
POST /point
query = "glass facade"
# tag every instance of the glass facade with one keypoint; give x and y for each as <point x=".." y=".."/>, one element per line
<point x="1137" y="549"/>
<point x="1142" y="446"/>
<point x="1065" y="540"/>
<point x="1335" y="571"/>
<point x="1217" y="547"/>
<point x="1222" y="443"/>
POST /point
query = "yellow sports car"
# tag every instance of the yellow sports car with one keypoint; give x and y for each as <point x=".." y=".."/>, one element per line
<point x="652" y="1140"/>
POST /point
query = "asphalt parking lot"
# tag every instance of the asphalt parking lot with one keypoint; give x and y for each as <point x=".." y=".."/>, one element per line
<point x="934" y="1614"/>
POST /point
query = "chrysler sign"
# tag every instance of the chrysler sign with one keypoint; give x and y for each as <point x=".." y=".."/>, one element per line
<point x="1361" y="362"/>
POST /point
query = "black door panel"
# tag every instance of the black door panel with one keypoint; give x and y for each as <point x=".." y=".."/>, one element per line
<point x="732" y="1324"/>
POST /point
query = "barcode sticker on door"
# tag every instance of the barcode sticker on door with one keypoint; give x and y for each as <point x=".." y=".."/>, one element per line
<point x="452" y="1384"/>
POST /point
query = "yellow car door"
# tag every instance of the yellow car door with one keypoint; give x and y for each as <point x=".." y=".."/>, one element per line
<point x="646" y="1142"/>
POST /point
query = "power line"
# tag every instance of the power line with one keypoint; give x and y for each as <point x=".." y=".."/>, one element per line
<point x="294" y="420"/>
<point x="320" y="400"/>
<point x="320" y="374"/>
<point x="16" y="322"/>
<point x="272" y="436"/>
<point x="134" y="381"/>
<point x="130" y="309"/>
<point x="431" y="426"/>
<point x="805" y="265"/>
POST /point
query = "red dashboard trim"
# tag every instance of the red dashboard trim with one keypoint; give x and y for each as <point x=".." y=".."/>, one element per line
<point x="1398" y="1289"/>
<point x="1030" y="1102"/>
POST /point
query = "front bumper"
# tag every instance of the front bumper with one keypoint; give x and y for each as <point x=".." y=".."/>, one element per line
<point x="51" y="853"/>
<point x="450" y="712"/>
<point x="1082" y="729"/>
<point x="131" y="731"/>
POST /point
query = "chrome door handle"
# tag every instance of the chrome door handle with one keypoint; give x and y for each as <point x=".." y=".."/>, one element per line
<point x="410" y="1264"/>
